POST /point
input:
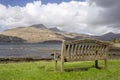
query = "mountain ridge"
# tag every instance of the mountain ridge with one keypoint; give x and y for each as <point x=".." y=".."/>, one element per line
<point x="32" y="34"/>
<point x="40" y="33"/>
<point x="41" y="26"/>
<point x="55" y="29"/>
<point x="108" y="36"/>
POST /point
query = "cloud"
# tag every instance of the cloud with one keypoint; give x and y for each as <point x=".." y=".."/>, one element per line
<point x="73" y="16"/>
<point x="67" y="15"/>
<point x="106" y="14"/>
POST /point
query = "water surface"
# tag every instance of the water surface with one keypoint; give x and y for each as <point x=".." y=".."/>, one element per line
<point x="27" y="50"/>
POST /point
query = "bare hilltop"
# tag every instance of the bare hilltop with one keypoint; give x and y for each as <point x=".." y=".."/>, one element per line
<point x="38" y="33"/>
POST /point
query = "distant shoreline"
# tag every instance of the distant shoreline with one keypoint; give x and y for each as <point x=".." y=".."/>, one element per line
<point x="28" y="59"/>
<point x="45" y="42"/>
<point x="37" y="51"/>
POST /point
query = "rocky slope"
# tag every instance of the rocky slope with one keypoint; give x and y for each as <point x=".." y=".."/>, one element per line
<point x="108" y="36"/>
<point x="10" y="39"/>
<point x="39" y="33"/>
<point x="54" y="29"/>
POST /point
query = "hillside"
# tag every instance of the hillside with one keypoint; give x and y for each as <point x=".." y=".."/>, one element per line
<point x="117" y="40"/>
<point x="10" y="39"/>
<point x="108" y="36"/>
<point x="39" y="26"/>
<point x="35" y="34"/>
<point x="54" y="29"/>
<point x="31" y="34"/>
<point x="40" y="33"/>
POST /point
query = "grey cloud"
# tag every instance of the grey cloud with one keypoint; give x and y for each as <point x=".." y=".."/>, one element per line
<point x="105" y="3"/>
<point x="100" y="17"/>
<point x="108" y="13"/>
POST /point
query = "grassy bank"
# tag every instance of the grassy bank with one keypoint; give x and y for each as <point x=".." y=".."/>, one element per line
<point x="43" y="70"/>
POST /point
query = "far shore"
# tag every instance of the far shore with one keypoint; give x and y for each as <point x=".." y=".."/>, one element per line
<point x="114" y="52"/>
<point x="27" y="59"/>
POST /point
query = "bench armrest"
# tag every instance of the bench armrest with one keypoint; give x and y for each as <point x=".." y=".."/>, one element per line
<point x="56" y="54"/>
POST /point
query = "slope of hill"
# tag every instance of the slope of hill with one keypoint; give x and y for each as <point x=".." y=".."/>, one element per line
<point x="4" y="38"/>
<point x="33" y="34"/>
<point x="41" y="26"/>
<point x="108" y="37"/>
<point x="55" y="29"/>
<point x="40" y="33"/>
<point x="117" y="40"/>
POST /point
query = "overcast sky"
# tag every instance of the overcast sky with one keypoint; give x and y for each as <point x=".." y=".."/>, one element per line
<point x="90" y="16"/>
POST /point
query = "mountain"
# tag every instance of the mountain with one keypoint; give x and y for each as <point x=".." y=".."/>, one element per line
<point x="36" y="34"/>
<point x="31" y="34"/>
<point x="108" y="36"/>
<point x="41" y="26"/>
<point x="10" y="39"/>
<point x="55" y="29"/>
<point x="40" y="33"/>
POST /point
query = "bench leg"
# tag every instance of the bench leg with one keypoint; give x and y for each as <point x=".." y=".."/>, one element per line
<point x="96" y="63"/>
<point x="62" y="66"/>
<point x="106" y="63"/>
<point x="55" y="62"/>
<point x="55" y="65"/>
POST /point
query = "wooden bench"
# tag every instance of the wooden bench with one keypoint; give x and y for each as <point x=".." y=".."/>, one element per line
<point x="82" y="50"/>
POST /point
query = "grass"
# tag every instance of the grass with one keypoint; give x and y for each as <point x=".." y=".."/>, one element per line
<point x="43" y="70"/>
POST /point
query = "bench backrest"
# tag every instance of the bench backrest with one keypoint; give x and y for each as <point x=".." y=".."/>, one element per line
<point x="84" y="50"/>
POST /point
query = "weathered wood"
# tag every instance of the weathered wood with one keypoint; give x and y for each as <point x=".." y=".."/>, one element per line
<point x="87" y="40"/>
<point x="72" y="50"/>
<point x="68" y="52"/>
<point x="55" y="61"/>
<point x="96" y="63"/>
<point x="75" y="52"/>
<point x="79" y="51"/>
<point x="106" y="63"/>
<point x="83" y="50"/>
<point x="62" y="56"/>
<point x="106" y="58"/>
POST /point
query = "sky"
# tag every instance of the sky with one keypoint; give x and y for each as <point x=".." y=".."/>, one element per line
<point x="81" y="16"/>
<point x="24" y="2"/>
